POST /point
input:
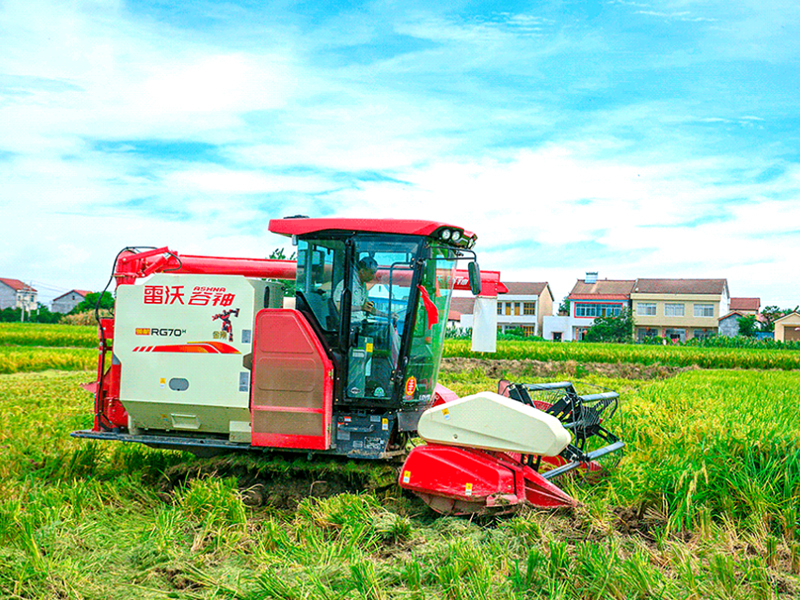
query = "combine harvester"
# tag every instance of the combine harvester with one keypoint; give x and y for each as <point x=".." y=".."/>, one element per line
<point x="202" y="356"/>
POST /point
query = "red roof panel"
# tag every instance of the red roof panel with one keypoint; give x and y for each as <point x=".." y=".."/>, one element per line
<point x="301" y="226"/>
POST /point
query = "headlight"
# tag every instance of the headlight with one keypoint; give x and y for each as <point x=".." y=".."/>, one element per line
<point x="456" y="236"/>
<point x="446" y="234"/>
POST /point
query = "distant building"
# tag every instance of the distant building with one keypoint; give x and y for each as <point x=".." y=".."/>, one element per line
<point x="678" y="309"/>
<point x="745" y="306"/>
<point x="461" y="312"/>
<point x="16" y="294"/>
<point x="787" y="328"/>
<point x="524" y="306"/>
<point x="66" y="302"/>
<point x="590" y="298"/>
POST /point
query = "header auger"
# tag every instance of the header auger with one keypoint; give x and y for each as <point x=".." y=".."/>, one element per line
<point x="201" y="355"/>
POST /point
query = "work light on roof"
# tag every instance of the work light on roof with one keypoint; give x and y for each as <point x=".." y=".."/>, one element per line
<point x="446" y="233"/>
<point x="456" y="236"/>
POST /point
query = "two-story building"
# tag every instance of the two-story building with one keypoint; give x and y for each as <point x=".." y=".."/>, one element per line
<point x="590" y="298"/>
<point x="524" y="306"/>
<point x="678" y="309"/>
<point x="16" y="294"/>
<point x="66" y="302"/>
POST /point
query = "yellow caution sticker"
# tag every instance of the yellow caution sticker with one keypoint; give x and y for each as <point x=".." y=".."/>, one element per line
<point x="468" y="489"/>
<point x="385" y="424"/>
<point x="406" y="476"/>
<point x="162" y="383"/>
<point x="446" y="413"/>
<point x="369" y="347"/>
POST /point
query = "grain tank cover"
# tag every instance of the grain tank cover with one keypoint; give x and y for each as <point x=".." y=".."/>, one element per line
<point x="181" y="340"/>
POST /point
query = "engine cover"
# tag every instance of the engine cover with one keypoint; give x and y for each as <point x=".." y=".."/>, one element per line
<point x="493" y="422"/>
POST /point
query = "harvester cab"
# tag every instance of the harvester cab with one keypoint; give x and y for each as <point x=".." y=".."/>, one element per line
<point x="202" y="355"/>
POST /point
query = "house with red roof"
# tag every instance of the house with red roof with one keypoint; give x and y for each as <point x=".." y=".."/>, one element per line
<point x="745" y="306"/>
<point x="739" y="307"/>
<point x="66" y="302"/>
<point x="16" y="294"/>
<point x="590" y="298"/>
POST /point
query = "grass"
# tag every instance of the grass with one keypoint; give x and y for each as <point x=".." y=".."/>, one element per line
<point x="705" y="504"/>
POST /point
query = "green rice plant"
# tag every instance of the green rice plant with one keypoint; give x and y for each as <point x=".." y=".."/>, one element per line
<point x="211" y="501"/>
<point x="595" y="565"/>
<point x="411" y="575"/>
<point x="722" y="441"/>
<point x="533" y="575"/>
<point x="47" y="335"/>
<point x="640" y="578"/>
<point x="366" y="581"/>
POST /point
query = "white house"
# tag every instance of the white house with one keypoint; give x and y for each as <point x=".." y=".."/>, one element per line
<point x="524" y="306"/>
<point x="16" y="294"/>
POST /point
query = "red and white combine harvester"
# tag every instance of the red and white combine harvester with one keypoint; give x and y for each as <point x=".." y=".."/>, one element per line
<point x="201" y="355"/>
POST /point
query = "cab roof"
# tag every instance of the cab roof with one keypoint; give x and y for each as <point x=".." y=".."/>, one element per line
<point x="304" y="225"/>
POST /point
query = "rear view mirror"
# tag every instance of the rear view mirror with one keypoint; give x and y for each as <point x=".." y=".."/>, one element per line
<point x="474" y="277"/>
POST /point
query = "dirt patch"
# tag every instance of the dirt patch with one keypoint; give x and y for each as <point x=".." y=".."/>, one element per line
<point x="497" y="369"/>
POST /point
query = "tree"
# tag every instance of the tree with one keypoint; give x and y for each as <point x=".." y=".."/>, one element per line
<point x="772" y="314"/>
<point x="10" y="315"/>
<point x="563" y="308"/>
<point x="88" y="303"/>
<point x="611" y="328"/>
<point x="43" y="315"/>
<point x="747" y="325"/>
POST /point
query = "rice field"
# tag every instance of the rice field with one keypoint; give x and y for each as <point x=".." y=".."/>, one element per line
<point x="679" y="356"/>
<point x="705" y="503"/>
<point x="48" y="335"/>
<point x="20" y="359"/>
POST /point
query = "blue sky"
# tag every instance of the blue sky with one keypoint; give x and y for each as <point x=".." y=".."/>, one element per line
<point x="638" y="139"/>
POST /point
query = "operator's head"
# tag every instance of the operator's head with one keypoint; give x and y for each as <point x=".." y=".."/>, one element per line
<point x="366" y="267"/>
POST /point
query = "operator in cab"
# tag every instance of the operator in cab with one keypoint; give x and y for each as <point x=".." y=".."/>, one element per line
<point x="361" y="305"/>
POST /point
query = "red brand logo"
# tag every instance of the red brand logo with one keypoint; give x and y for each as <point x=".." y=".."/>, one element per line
<point x="200" y="296"/>
<point x="411" y="386"/>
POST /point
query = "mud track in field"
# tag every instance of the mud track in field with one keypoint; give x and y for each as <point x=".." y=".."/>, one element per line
<point x="281" y="482"/>
<point x="497" y="369"/>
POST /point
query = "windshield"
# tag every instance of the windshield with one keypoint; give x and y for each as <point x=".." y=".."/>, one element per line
<point x="379" y="286"/>
<point x="427" y="338"/>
